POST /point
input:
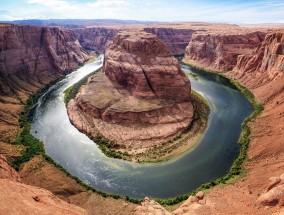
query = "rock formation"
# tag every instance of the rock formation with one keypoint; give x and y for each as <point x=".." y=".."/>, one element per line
<point x="274" y="194"/>
<point x="142" y="97"/>
<point x="219" y="50"/>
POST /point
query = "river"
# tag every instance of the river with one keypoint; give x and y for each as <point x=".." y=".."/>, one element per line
<point x="210" y="159"/>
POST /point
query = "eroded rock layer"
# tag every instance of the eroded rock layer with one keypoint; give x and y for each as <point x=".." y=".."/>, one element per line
<point x="175" y="39"/>
<point x="219" y="50"/>
<point x="266" y="61"/>
<point x="140" y="97"/>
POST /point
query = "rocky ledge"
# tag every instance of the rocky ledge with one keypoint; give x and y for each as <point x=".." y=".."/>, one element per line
<point x="140" y="98"/>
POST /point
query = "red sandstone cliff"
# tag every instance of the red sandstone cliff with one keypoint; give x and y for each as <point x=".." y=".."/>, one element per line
<point x="175" y="39"/>
<point x="264" y="64"/>
<point x="33" y="54"/>
<point x="95" y="38"/>
<point x="219" y="50"/>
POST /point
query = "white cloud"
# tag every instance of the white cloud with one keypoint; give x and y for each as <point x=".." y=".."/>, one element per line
<point x="149" y="10"/>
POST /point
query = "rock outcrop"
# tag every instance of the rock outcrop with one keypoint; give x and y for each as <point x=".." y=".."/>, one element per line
<point x="7" y="172"/>
<point x="18" y="198"/>
<point x="274" y="194"/>
<point x="141" y="98"/>
<point x="194" y="205"/>
<point x="219" y="50"/>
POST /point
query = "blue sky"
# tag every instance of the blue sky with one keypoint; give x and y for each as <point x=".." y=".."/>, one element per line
<point x="249" y="11"/>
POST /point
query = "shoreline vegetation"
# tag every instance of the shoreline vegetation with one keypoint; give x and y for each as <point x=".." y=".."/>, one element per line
<point x="35" y="147"/>
<point x="178" y="145"/>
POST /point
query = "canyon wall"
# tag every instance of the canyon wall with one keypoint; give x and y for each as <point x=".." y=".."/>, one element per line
<point x="219" y="50"/>
<point x="175" y="39"/>
<point x="264" y="64"/>
<point x="32" y="53"/>
<point x="96" y="38"/>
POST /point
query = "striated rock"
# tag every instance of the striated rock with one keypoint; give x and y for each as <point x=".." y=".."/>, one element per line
<point x="266" y="61"/>
<point x="17" y="198"/>
<point x="140" y="64"/>
<point x="142" y="97"/>
<point x="175" y="39"/>
<point x="31" y="53"/>
<point x="95" y="38"/>
<point x="218" y="50"/>
<point x="7" y="172"/>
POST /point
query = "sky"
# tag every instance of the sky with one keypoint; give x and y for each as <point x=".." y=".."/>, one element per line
<point x="240" y="11"/>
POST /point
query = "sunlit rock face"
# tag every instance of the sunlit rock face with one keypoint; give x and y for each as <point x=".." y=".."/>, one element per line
<point x="219" y="50"/>
<point x="31" y="53"/>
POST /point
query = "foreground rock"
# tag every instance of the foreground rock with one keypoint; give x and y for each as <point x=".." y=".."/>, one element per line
<point x="7" y="172"/>
<point x="17" y="198"/>
<point x="141" y="98"/>
<point x="274" y="194"/>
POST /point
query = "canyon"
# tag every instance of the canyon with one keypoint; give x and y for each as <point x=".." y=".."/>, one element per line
<point x="141" y="97"/>
<point x="31" y="57"/>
